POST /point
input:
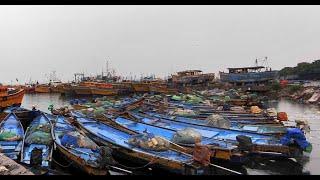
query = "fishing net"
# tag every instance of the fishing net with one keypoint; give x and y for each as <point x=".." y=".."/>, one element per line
<point x="232" y="93"/>
<point x="107" y="103"/>
<point x="219" y="121"/>
<point x="253" y="96"/>
<point x="182" y="112"/>
<point x="237" y="108"/>
<point x="255" y="110"/>
<point x="99" y="111"/>
<point x="176" y="98"/>
<point x="42" y="127"/>
<point x="227" y="98"/>
<point x="244" y="97"/>
<point x="149" y="142"/>
<point x="99" y="104"/>
<point x="39" y="137"/>
<point x="186" y="136"/>
<point x="272" y="112"/>
<point x="76" y="140"/>
<point x="39" y="134"/>
<point x="192" y="99"/>
<point x="104" y="98"/>
<point x="226" y="107"/>
<point x="9" y="136"/>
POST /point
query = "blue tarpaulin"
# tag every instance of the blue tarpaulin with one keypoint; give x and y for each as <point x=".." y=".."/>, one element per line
<point x="295" y="135"/>
<point x="68" y="141"/>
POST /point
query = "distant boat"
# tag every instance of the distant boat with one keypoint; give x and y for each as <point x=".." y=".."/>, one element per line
<point x="43" y="88"/>
<point x="191" y="78"/>
<point x="10" y="97"/>
<point x="244" y="76"/>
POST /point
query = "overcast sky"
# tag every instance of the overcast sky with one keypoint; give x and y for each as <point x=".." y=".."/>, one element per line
<point x="36" y="40"/>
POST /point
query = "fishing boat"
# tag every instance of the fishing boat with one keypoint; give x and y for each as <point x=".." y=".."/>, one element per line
<point x="38" y="137"/>
<point x="57" y="87"/>
<point x="191" y="78"/>
<point x="87" y="158"/>
<point x="11" y="136"/>
<point x="29" y="88"/>
<point x="68" y="90"/>
<point x="262" y="144"/>
<point x="221" y="150"/>
<point x="140" y="87"/>
<point x="249" y="76"/>
<point x="10" y="97"/>
<point x="240" y="125"/>
<point x="42" y="88"/>
<point x="161" y="88"/>
<point x="82" y="90"/>
<point x="124" y="87"/>
<point x="171" y="160"/>
<point x="104" y="91"/>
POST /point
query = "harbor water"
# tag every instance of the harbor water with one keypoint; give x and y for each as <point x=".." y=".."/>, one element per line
<point x="295" y="111"/>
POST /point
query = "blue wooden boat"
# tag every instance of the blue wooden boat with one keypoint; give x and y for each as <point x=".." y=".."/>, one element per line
<point x="11" y="136"/>
<point x="263" y="144"/>
<point x="247" y="75"/>
<point x="38" y="136"/>
<point x="221" y="149"/>
<point x="84" y="158"/>
<point x="170" y="160"/>
<point x="243" y="125"/>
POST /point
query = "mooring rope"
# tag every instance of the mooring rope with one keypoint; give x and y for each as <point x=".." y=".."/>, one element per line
<point x="64" y="166"/>
<point x="138" y="167"/>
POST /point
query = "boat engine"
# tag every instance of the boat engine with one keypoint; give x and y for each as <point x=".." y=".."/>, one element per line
<point x="36" y="157"/>
<point x="245" y="143"/>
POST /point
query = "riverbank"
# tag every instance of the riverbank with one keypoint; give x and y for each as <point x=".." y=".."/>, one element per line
<point x="297" y="93"/>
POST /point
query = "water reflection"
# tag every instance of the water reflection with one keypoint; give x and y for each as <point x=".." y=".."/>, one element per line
<point x="42" y="101"/>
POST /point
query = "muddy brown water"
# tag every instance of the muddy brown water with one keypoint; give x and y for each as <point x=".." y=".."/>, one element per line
<point x="309" y="165"/>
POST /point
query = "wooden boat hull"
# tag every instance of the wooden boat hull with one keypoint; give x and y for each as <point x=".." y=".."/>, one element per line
<point x="79" y="106"/>
<point x="140" y="87"/>
<point x="11" y="146"/>
<point x="68" y="90"/>
<point x="269" y="143"/>
<point x="77" y="161"/>
<point x="47" y="149"/>
<point x="162" y="89"/>
<point x="29" y="90"/>
<point x="57" y="89"/>
<point x="82" y="90"/>
<point x="14" y="99"/>
<point x="217" y="152"/>
<point x="42" y="89"/>
<point x="136" y="154"/>
<point x="104" y="91"/>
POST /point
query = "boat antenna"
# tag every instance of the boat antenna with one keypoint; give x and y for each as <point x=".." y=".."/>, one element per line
<point x="107" y="67"/>
<point x="256" y="62"/>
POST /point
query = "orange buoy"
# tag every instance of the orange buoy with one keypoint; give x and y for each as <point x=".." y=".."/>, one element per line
<point x="282" y="116"/>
